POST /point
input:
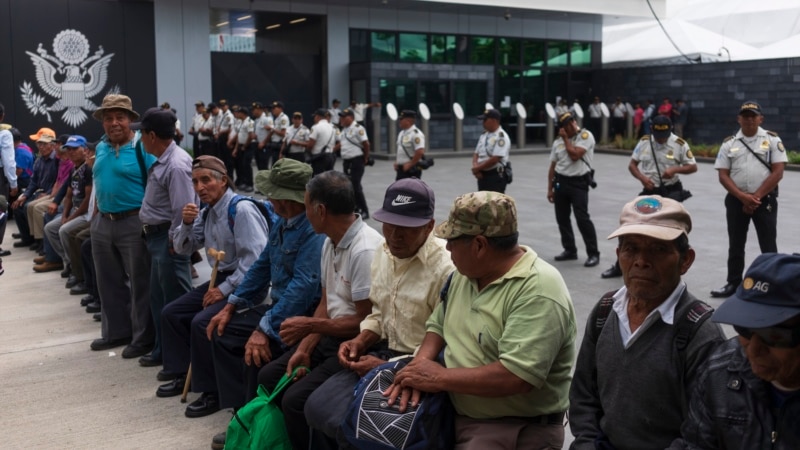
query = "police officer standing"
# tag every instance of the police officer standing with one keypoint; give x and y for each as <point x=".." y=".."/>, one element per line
<point x="320" y="144"/>
<point x="197" y="123"/>
<point x="568" y="182"/>
<point x="410" y="146"/>
<point x="491" y="154"/>
<point x="262" y="124"/>
<point x="224" y="124"/>
<point x="750" y="165"/>
<point x="243" y="150"/>
<point x="354" y="148"/>
<point x="335" y="110"/>
<point x="206" y="131"/>
<point x="296" y="136"/>
<point x="656" y="162"/>
<point x="280" y="122"/>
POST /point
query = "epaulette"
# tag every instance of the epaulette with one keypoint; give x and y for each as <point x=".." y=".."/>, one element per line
<point x="680" y="141"/>
<point x="728" y="139"/>
<point x="501" y="134"/>
<point x="646" y="137"/>
<point x="772" y="133"/>
<point x="416" y="130"/>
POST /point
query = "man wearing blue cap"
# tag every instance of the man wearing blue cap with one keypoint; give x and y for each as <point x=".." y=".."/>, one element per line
<point x="748" y="395"/>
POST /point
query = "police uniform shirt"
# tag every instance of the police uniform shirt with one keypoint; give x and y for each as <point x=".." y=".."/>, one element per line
<point x="335" y="115"/>
<point x="323" y="136"/>
<point x="352" y="140"/>
<point x="595" y="112"/>
<point x="217" y="121"/>
<point x="261" y="123"/>
<point x="561" y="109"/>
<point x="226" y="121"/>
<point x="746" y="171"/>
<point x="247" y="126"/>
<point x="493" y="144"/>
<point x="674" y="152"/>
<point x="279" y="123"/>
<point x="408" y="141"/>
<point x="297" y="134"/>
<point x="197" y="122"/>
<point x="619" y="111"/>
<point x="207" y="124"/>
<point x="358" y="111"/>
<point x="566" y="166"/>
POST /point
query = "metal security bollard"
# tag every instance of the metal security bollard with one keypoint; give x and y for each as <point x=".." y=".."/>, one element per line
<point x="458" y="127"/>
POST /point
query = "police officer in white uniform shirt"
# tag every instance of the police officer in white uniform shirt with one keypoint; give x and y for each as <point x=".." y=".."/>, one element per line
<point x="568" y="182"/>
<point x="320" y="144"/>
<point x="335" y="110"/>
<point x="354" y="148"/>
<point x="656" y="162"/>
<point x="206" y="131"/>
<point x="244" y="150"/>
<point x="296" y="136"/>
<point x="491" y="154"/>
<point x="262" y="123"/>
<point x="280" y="122"/>
<point x="410" y="146"/>
<point x="225" y="126"/>
<point x="197" y="123"/>
<point x="750" y="165"/>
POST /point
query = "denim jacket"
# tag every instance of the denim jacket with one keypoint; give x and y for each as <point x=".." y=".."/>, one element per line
<point x="732" y="408"/>
<point x="291" y="262"/>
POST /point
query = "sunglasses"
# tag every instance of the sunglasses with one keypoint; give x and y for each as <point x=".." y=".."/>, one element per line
<point x="778" y="337"/>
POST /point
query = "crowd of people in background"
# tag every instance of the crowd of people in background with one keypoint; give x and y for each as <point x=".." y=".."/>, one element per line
<point x="642" y="114"/>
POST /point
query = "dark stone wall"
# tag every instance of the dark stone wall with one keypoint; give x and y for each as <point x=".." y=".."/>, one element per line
<point x="714" y="93"/>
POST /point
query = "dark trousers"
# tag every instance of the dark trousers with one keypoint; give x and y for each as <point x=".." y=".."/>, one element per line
<point x="183" y="336"/>
<point x="170" y="277"/>
<point x="324" y="364"/>
<point x="195" y="146"/>
<point x="297" y="156"/>
<point x="88" y="268"/>
<point x="414" y="172"/>
<point x="326" y="408"/>
<point x="354" y="169"/>
<point x="493" y="180"/>
<point x="244" y="164"/>
<point x="274" y="152"/>
<point x="224" y="153"/>
<point x="322" y="163"/>
<point x="572" y="194"/>
<point x="262" y="157"/>
<point x="235" y="379"/>
<point x="765" y="219"/>
<point x="76" y="238"/>
<point x="5" y="191"/>
<point x="21" y="217"/>
<point x="206" y="147"/>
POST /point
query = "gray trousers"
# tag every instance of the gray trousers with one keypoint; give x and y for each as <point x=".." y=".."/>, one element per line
<point x="58" y="234"/>
<point x="123" y="279"/>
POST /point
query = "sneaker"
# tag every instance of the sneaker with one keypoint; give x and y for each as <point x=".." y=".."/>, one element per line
<point x="2" y="271"/>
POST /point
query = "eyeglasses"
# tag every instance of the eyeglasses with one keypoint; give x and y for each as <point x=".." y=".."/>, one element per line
<point x="777" y="336"/>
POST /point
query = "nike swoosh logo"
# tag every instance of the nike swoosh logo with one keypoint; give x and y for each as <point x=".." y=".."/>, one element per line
<point x="396" y="203"/>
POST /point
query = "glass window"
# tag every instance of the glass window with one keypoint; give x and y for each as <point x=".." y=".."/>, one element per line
<point x="413" y="47"/>
<point x="359" y="45"/>
<point x="481" y="50"/>
<point x="462" y="50"/>
<point x="402" y="93"/>
<point x="533" y="53"/>
<point x="436" y="95"/>
<point x="471" y="95"/>
<point x="384" y="46"/>
<point x="532" y="95"/>
<point x="581" y="54"/>
<point x="508" y="50"/>
<point x="443" y="49"/>
<point x="557" y="53"/>
<point x="509" y="84"/>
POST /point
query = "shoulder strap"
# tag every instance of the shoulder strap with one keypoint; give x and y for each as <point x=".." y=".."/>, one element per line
<point x="758" y="157"/>
<point x="688" y="324"/>
<point x="262" y="208"/>
<point x="445" y="289"/>
<point x="140" y="158"/>
<point x="655" y="161"/>
<point x="602" y="311"/>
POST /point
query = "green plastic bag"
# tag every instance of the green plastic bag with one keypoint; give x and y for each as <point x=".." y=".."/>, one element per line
<point x="259" y="423"/>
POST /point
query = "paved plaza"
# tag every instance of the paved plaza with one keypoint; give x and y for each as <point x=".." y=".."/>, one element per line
<point x="59" y="394"/>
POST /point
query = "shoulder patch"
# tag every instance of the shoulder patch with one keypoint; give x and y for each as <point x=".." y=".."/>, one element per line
<point x="680" y="141"/>
<point x="585" y="135"/>
<point x="646" y="137"/>
<point x="781" y="147"/>
<point x="501" y="143"/>
<point x="416" y="140"/>
<point x="772" y="133"/>
<point x="728" y="139"/>
<point x="689" y="154"/>
<point x="361" y="132"/>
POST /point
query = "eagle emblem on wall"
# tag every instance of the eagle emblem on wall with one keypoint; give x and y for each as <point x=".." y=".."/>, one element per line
<point x="70" y="76"/>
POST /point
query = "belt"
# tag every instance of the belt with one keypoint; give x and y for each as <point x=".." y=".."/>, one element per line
<point x="120" y="215"/>
<point x="153" y="229"/>
<point x="547" y="419"/>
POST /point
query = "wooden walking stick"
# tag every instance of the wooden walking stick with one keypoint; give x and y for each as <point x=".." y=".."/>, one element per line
<point x="218" y="256"/>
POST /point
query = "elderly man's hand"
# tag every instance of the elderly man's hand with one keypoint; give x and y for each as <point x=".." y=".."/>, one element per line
<point x="257" y="351"/>
<point x="189" y="213"/>
<point x="220" y="321"/>
<point x="365" y="364"/>
<point x="294" y="329"/>
<point x="422" y="374"/>
<point x="211" y="297"/>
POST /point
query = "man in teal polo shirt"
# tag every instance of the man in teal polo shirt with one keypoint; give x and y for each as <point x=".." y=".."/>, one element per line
<point x="510" y="330"/>
<point x="120" y="254"/>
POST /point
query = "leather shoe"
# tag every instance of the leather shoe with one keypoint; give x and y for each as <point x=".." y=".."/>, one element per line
<point x="16" y="235"/>
<point x="66" y="272"/>
<point x="566" y="256"/>
<point x="207" y="404"/>
<point x="173" y="388"/>
<point x="71" y="281"/>
<point x="39" y="259"/>
<point x="88" y="299"/>
<point x="105" y="344"/>
<point x="97" y="317"/>
<point x="725" y="291"/>
<point x="48" y="266"/>
<point x="135" y="351"/>
<point x="5" y="252"/>
<point x="93" y="307"/>
<point x="21" y="244"/>
<point x="149" y="361"/>
<point x="218" y="443"/>
<point x="592" y="261"/>
<point x="78" y="289"/>
<point x="36" y="246"/>
<point x="613" y="272"/>
<point x="166" y="376"/>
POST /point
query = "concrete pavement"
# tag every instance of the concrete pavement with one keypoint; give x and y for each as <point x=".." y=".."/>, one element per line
<point x="59" y="394"/>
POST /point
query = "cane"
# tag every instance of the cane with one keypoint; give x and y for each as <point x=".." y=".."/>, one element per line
<point x="218" y="256"/>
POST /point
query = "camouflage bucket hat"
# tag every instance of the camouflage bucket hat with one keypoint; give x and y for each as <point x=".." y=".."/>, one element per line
<point x="485" y="213"/>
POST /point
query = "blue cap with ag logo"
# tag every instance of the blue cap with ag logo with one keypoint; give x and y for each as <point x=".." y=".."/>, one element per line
<point x="768" y="295"/>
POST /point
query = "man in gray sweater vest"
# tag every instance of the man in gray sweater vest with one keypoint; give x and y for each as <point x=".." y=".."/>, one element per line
<point x="643" y="343"/>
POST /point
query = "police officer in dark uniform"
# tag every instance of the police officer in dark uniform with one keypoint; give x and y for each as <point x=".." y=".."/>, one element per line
<point x="491" y="154"/>
<point x="568" y="182"/>
<point x="750" y="165"/>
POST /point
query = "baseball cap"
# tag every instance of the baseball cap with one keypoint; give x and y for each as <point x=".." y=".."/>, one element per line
<point x="347" y="112"/>
<point x="257" y="105"/>
<point x="565" y="119"/>
<point x="321" y="112"/>
<point x="243" y="109"/>
<point x="408" y="202"/>
<point x="211" y="105"/>
<point x="408" y="114"/>
<point x="285" y="181"/>
<point x="212" y="163"/>
<point x="768" y="295"/>
<point x="75" y="141"/>
<point x="336" y="100"/>
<point x="199" y="103"/>
<point x="654" y="216"/>
<point x="160" y="121"/>
<point x="490" y="114"/>
<point x="485" y="213"/>
<point x="166" y="105"/>
<point x="277" y="104"/>
<point x="44" y="135"/>
<point x="750" y="106"/>
<point x="222" y="102"/>
<point x="297" y="114"/>
<point x="661" y="127"/>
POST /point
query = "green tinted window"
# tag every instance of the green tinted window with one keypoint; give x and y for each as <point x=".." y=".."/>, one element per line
<point x="481" y="50"/>
<point x="359" y="45"/>
<point x="436" y="95"/>
<point x="413" y="47"/>
<point x="443" y="49"/>
<point x="471" y="95"/>
<point x="384" y="46"/>
<point x="508" y="52"/>
<point x="581" y="54"/>
<point x="557" y="53"/>
<point x="402" y="93"/>
<point x="533" y="53"/>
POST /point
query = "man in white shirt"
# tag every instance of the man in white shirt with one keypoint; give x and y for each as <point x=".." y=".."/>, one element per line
<point x="320" y="144"/>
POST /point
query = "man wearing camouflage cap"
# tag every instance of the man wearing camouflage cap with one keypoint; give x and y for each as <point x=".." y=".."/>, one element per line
<point x="509" y="325"/>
